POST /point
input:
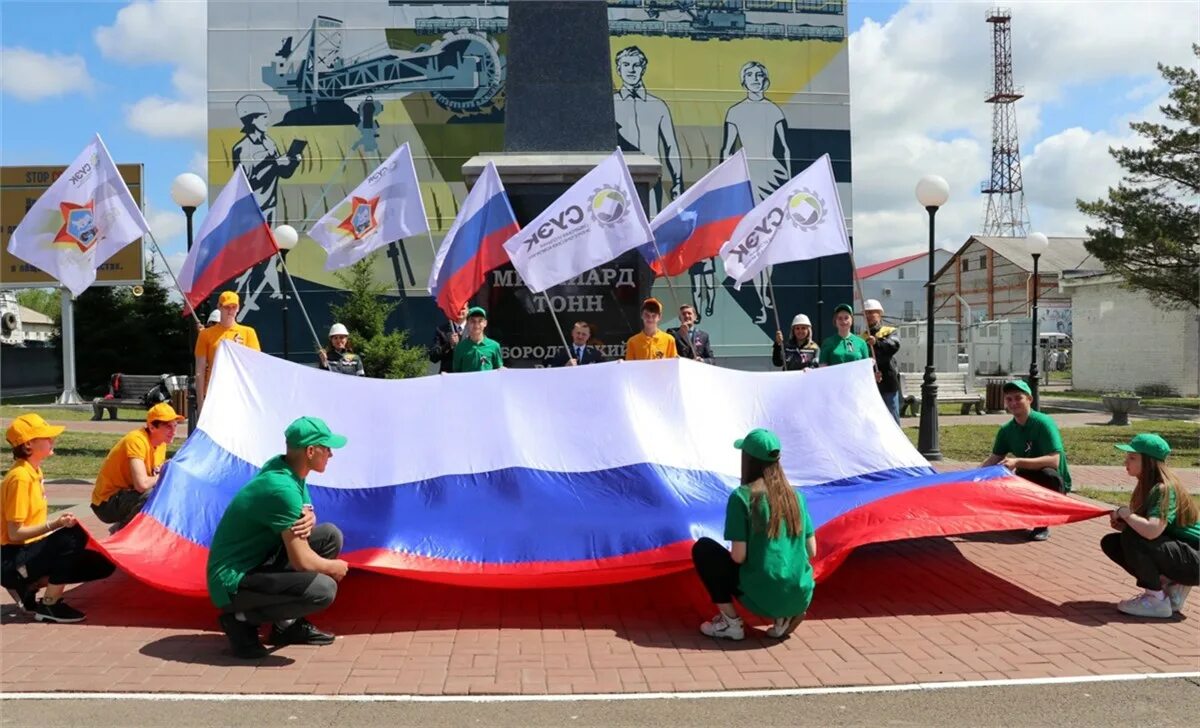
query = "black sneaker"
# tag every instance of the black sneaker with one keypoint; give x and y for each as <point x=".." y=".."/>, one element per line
<point x="59" y="611"/>
<point x="243" y="637"/>
<point x="1039" y="534"/>
<point x="301" y="632"/>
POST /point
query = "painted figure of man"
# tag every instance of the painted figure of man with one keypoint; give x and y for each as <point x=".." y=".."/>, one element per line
<point x="644" y="122"/>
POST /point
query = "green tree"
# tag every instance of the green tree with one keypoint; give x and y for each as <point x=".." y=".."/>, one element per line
<point x="1149" y="225"/>
<point x="364" y="312"/>
<point x="43" y="300"/>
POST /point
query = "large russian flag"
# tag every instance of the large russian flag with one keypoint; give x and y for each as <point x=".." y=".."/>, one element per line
<point x="474" y="245"/>
<point x="696" y="224"/>
<point x="235" y="236"/>
<point x="539" y="487"/>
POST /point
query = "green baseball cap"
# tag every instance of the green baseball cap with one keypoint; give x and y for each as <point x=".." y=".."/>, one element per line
<point x="843" y="307"/>
<point x="309" y="431"/>
<point x="1018" y="384"/>
<point x="476" y="311"/>
<point x="760" y="444"/>
<point x="1147" y="444"/>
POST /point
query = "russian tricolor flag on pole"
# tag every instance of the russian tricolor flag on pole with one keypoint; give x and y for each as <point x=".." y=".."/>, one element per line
<point x="235" y="236"/>
<point x="474" y="245"/>
<point x="697" y="223"/>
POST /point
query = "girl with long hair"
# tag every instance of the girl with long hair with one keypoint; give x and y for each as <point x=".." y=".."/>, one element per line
<point x="1159" y="539"/>
<point x="769" y="565"/>
<point x="340" y="357"/>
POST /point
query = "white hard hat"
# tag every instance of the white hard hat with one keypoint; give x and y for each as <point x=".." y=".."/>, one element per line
<point x="251" y="105"/>
<point x="801" y="320"/>
<point x="215" y="316"/>
<point x="873" y="305"/>
<point x="338" y="330"/>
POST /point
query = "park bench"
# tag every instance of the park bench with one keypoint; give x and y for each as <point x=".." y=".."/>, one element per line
<point x="952" y="389"/>
<point x="127" y="390"/>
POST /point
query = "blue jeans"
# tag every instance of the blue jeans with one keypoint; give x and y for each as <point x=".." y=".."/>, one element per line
<point x="892" y="400"/>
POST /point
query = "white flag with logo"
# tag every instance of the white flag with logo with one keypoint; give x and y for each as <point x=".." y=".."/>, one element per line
<point x="594" y="221"/>
<point x="384" y="208"/>
<point x="85" y="217"/>
<point x="801" y="220"/>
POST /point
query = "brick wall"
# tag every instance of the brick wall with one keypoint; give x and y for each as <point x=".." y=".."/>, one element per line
<point x="1122" y="341"/>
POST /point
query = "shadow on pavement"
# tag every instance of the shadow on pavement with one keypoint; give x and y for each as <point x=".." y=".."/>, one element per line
<point x="205" y="649"/>
<point x="1093" y="613"/>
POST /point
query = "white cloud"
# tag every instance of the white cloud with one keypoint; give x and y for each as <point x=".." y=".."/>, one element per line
<point x="918" y="82"/>
<point x="174" y="32"/>
<point x="199" y="165"/>
<point x="32" y="76"/>
<point x="165" y="224"/>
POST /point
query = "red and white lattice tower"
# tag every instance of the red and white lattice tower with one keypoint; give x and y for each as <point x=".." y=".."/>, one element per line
<point x="1006" y="214"/>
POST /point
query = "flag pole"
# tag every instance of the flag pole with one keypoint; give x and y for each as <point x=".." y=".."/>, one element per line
<point x="174" y="280"/>
<point x="296" y="293"/>
<point x="863" y="302"/>
<point x="775" y="310"/>
<point x="561" y="334"/>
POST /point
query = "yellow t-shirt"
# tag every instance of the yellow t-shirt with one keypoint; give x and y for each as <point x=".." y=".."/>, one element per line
<point x="659" y="346"/>
<point x="210" y="338"/>
<point x="116" y="475"/>
<point x="22" y="500"/>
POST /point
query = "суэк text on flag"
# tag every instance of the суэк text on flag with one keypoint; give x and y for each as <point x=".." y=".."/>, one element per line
<point x="85" y="217"/>
<point x="594" y="221"/>
<point x="233" y="237"/>
<point x="801" y="220"/>
<point x="697" y="223"/>
<point x="474" y="245"/>
<point x="384" y="208"/>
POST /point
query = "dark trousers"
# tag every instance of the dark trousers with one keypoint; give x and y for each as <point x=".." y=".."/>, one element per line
<point x="274" y="592"/>
<point x="1146" y="560"/>
<point x="62" y="556"/>
<point x="1046" y="477"/>
<point x="121" y="507"/>
<point x="717" y="569"/>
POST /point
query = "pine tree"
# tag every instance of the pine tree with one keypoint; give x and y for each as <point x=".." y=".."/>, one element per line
<point x="364" y="312"/>
<point x="1149" y="231"/>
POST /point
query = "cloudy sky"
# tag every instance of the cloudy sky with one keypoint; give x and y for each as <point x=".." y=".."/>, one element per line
<point x="134" y="71"/>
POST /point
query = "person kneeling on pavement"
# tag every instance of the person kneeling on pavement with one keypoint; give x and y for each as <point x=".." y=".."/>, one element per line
<point x="131" y="469"/>
<point x="36" y="552"/>
<point x="270" y="561"/>
<point x="1029" y="445"/>
<point x="1159" y="546"/>
<point x="769" y="567"/>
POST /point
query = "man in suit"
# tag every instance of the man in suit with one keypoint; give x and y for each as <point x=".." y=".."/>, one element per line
<point x="445" y="339"/>
<point x="580" y="352"/>
<point x="691" y="342"/>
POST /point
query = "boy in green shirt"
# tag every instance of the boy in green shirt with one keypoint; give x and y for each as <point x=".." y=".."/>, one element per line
<point x="269" y="560"/>
<point x="769" y="564"/>
<point x="1030" y="446"/>
<point x="477" y="353"/>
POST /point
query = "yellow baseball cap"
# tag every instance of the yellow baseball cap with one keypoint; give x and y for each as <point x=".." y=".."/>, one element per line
<point x="228" y="298"/>
<point x="163" y="412"/>
<point x="30" y="427"/>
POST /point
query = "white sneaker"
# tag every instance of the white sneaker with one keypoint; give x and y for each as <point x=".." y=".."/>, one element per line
<point x="1146" y="605"/>
<point x="1177" y="594"/>
<point x="723" y="627"/>
<point x="784" y="626"/>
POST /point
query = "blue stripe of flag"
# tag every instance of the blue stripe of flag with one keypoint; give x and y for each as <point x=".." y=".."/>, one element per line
<point x="244" y="216"/>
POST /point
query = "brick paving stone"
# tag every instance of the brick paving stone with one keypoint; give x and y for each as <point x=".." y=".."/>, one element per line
<point x="974" y="607"/>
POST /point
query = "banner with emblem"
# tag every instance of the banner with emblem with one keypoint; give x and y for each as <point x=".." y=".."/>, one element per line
<point x="801" y="220"/>
<point x="593" y="222"/>
<point x="85" y="218"/>
<point x="384" y="208"/>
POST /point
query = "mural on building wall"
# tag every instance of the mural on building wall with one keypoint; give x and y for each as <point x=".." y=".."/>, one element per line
<point x="310" y="110"/>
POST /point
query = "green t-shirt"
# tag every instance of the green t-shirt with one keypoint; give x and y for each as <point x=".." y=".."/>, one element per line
<point x="1189" y="534"/>
<point x="776" y="579"/>
<point x="1039" y="436"/>
<point x="250" y="531"/>
<point x="836" y="350"/>
<point x="481" y="357"/>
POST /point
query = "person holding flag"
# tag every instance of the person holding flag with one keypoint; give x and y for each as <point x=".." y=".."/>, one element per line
<point x="85" y="218"/>
<point x="209" y="339"/>
<point x="383" y="208"/>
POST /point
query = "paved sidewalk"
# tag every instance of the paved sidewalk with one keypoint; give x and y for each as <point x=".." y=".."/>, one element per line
<point x="973" y="608"/>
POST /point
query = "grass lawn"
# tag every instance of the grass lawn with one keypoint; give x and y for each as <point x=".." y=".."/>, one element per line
<point x="1188" y="402"/>
<point x="1114" y="497"/>
<point x="1088" y="445"/>
<point x="51" y="413"/>
<point x="79" y="455"/>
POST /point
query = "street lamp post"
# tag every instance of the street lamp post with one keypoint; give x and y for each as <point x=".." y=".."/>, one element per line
<point x="932" y="193"/>
<point x="1035" y="245"/>
<point x="189" y="192"/>
<point x="286" y="238"/>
